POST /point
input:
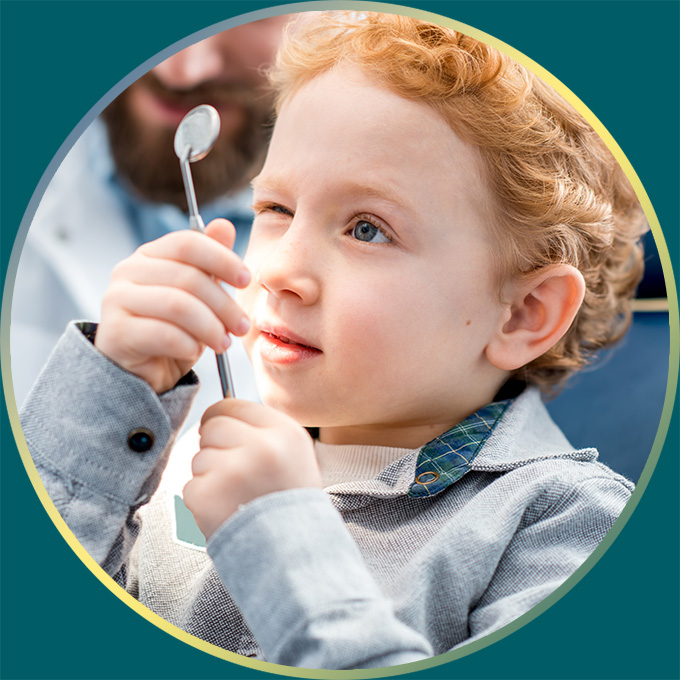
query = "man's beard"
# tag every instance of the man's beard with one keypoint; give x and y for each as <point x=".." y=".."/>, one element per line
<point x="145" y="156"/>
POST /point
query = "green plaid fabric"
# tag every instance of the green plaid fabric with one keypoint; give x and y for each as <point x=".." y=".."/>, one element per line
<point x="447" y="458"/>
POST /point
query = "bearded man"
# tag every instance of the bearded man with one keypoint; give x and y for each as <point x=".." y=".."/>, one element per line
<point x="121" y="185"/>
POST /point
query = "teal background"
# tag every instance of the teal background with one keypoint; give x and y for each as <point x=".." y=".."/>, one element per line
<point x="58" y="58"/>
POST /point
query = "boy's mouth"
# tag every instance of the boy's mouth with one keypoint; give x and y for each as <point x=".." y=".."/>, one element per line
<point x="286" y="341"/>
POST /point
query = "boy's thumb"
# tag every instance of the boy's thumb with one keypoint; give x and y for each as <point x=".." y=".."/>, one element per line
<point x="223" y="231"/>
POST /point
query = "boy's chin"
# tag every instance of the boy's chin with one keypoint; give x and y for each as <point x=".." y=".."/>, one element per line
<point x="294" y="407"/>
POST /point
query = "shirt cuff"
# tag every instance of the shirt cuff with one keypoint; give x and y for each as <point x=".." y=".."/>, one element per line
<point x="98" y="425"/>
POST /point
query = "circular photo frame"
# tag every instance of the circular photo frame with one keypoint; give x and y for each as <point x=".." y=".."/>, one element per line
<point x="636" y="381"/>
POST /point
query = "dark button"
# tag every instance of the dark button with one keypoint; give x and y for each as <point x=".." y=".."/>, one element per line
<point x="140" y="440"/>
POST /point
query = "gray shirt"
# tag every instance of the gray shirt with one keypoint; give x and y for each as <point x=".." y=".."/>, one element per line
<point x="360" y="575"/>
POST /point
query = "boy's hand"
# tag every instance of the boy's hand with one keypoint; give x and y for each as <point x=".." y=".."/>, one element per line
<point x="247" y="450"/>
<point x="164" y="304"/>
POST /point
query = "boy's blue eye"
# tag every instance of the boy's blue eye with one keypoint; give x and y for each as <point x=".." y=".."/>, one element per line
<point x="369" y="233"/>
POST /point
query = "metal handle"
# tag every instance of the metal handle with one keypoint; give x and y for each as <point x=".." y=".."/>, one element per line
<point x="226" y="382"/>
<point x="196" y="223"/>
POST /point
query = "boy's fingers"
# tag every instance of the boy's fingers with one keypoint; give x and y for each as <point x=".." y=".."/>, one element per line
<point x="222" y="230"/>
<point x="158" y="272"/>
<point x="225" y="432"/>
<point x="204" y="461"/>
<point x="248" y="412"/>
<point x="213" y="456"/>
<point x="145" y="336"/>
<point x="215" y="410"/>
<point x="195" y="249"/>
<point x="178" y="308"/>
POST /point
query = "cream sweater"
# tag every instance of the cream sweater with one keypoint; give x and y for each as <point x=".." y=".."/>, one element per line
<point x="354" y="463"/>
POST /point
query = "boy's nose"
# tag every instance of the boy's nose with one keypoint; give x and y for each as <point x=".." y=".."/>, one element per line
<point x="291" y="269"/>
<point x="193" y="66"/>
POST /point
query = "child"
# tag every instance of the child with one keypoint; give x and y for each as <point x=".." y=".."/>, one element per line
<point x="438" y="236"/>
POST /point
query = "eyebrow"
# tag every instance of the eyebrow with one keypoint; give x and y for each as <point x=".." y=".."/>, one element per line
<point x="383" y="192"/>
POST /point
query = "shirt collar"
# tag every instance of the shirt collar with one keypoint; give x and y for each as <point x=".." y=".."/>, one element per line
<point x="501" y="436"/>
<point x="447" y="458"/>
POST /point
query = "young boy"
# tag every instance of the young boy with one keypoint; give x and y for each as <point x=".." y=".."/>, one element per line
<point x="438" y="236"/>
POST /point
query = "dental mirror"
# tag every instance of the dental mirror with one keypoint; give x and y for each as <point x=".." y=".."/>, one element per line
<point x="195" y="136"/>
<point x="197" y="132"/>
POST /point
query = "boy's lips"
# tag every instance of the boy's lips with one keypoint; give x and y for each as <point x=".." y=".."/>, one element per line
<point x="285" y="335"/>
<point x="278" y="344"/>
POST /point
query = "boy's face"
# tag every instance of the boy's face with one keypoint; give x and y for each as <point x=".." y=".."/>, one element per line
<point x="373" y="294"/>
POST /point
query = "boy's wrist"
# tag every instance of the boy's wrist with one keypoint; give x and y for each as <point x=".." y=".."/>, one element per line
<point x="89" y="330"/>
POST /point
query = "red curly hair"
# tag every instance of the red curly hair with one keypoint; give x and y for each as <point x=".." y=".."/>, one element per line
<point x="560" y="195"/>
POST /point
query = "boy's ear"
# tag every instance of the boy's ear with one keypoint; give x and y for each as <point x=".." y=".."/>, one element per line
<point x="541" y="309"/>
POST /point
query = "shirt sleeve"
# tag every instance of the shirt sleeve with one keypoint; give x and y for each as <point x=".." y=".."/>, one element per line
<point x="303" y="588"/>
<point x="544" y="552"/>
<point x="100" y="438"/>
<point x="308" y="596"/>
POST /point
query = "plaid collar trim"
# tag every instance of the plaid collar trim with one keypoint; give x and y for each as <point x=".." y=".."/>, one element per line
<point x="444" y="460"/>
